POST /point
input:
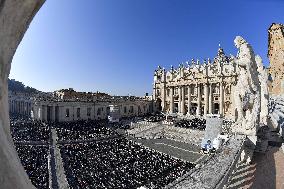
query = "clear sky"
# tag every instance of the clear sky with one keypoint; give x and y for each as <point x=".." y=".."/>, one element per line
<point x="114" y="46"/>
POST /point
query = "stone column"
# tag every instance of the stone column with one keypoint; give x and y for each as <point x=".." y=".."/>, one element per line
<point x="179" y="99"/>
<point x="171" y="100"/>
<point x="206" y="99"/>
<point x="189" y="99"/>
<point x="21" y="107"/>
<point x="198" y="100"/>
<point x="182" y="100"/>
<point x="45" y="113"/>
<point x="25" y="107"/>
<point x="42" y="113"/>
<point x="18" y="107"/>
<point x="221" y="106"/>
<point x="52" y="113"/>
<point x="210" y="98"/>
<point x="163" y="98"/>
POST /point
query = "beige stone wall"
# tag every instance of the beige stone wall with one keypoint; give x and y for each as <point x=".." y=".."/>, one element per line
<point x="15" y="17"/>
<point x="276" y="58"/>
<point x="41" y="109"/>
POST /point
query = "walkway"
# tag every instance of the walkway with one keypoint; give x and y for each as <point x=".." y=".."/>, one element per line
<point x="265" y="172"/>
<point x="61" y="180"/>
<point x="177" y="149"/>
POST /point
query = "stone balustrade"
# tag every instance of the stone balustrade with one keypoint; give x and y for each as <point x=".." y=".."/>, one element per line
<point x="216" y="171"/>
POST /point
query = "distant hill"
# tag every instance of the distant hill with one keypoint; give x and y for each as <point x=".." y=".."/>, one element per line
<point x="17" y="86"/>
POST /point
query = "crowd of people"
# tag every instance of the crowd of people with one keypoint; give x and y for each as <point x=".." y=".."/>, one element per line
<point x="83" y="130"/>
<point x="195" y="123"/>
<point x="111" y="163"/>
<point x="119" y="163"/>
<point x="35" y="162"/>
<point x="27" y="130"/>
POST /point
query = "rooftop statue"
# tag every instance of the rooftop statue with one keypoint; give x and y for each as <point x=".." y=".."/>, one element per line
<point x="264" y="96"/>
<point x="247" y="93"/>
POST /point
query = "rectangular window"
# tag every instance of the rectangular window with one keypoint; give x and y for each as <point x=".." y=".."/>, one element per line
<point x="67" y="112"/>
<point x="131" y="109"/>
<point x="125" y="110"/>
<point x="78" y="112"/>
<point x="99" y="111"/>
<point x="89" y="111"/>
<point x="108" y="110"/>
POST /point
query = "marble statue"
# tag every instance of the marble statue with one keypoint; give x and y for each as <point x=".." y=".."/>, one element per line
<point x="264" y="96"/>
<point x="247" y="93"/>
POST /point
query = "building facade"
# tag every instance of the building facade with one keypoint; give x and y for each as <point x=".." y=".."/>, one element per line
<point x="69" y="105"/>
<point x="276" y="58"/>
<point x="59" y="110"/>
<point x="197" y="88"/>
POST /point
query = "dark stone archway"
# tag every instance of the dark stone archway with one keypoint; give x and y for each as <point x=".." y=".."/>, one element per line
<point x="159" y="105"/>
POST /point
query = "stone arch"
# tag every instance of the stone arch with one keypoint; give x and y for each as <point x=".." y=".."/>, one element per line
<point x="15" y="17"/>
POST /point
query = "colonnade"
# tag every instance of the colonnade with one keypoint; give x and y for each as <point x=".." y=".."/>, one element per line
<point x="20" y="107"/>
<point x="71" y="111"/>
<point x="204" y="100"/>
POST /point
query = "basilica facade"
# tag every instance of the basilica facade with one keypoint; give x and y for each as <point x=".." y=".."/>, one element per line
<point x="197" y="88"/>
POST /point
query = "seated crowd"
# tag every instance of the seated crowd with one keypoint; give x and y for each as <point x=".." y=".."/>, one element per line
<point x="119" y="163"/>
<point x="111" y="163"/>
<point x="83" y="130"/>
<point x="154" y="118"/>
<point x="28" y="130"/>
<point x="34" y="160"/>
<point x="195" y="123"/>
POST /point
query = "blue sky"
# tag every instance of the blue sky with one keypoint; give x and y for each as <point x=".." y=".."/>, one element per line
<point x="114" y="46"/>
